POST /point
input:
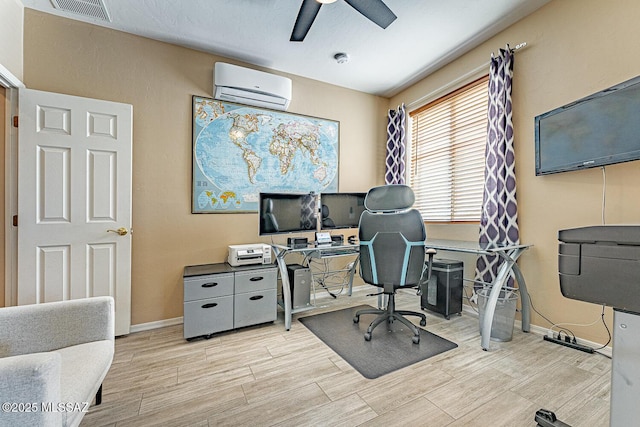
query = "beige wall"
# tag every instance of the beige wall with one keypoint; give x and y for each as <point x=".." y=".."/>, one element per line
<point x="575" y="48"/>
<point x="159" y="80"/>
<point x="11" y="22"/>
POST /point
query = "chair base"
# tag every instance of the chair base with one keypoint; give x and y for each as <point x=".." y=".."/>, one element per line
<point x="389" y="315"/>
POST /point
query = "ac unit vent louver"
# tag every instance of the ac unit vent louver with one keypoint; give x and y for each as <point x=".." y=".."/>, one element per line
<point x="88" y="8"/>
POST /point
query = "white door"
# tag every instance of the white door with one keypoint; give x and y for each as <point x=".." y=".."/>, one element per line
<point x="74" y="200"/>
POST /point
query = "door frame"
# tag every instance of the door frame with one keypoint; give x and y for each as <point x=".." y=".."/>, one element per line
<point x="11" y="84"/>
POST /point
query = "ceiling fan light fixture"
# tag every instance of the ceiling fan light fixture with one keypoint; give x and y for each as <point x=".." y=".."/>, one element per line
<point x="341" y="57"/>
<point x="326" y="1"/>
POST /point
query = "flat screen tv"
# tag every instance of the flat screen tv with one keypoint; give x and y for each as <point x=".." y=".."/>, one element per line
<point x="341" y="210"/>
<point x="599" y="130"/>
<point x="287" y="213"/>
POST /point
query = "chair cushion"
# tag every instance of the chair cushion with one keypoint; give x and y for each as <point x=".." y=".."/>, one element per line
<point x="83" y="368"/>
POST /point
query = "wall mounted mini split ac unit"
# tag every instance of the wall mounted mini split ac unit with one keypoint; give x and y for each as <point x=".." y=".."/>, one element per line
<point x="251" y="87"/>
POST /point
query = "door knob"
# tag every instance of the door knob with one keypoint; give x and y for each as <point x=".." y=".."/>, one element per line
<point x="121" y="231"/>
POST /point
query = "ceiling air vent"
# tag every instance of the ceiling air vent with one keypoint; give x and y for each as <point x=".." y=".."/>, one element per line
<point x="88" y="8"/>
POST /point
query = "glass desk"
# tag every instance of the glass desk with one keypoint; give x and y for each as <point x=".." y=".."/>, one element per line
<point x="509" y="254"/>
<point x="309" y="251"/>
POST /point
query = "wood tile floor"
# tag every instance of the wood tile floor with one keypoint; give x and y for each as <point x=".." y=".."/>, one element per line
<point x="266" y="376"/>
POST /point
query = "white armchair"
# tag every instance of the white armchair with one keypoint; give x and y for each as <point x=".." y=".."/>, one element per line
<point x="53" y="358"/>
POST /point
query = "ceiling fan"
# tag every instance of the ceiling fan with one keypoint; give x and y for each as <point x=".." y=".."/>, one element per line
<point x="375" y="10"/>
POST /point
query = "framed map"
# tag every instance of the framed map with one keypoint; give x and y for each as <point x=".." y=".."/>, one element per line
<point x="240" y="151"/>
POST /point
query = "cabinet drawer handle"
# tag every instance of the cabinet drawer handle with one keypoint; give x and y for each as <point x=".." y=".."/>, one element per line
<point x="257" y="297"/>
<point x="256" y="279"/>
<point x="210" y="285"/>
<point x="210" y="305"/>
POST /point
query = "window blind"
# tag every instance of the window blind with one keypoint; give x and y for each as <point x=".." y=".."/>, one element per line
<point x="447" y="154"/>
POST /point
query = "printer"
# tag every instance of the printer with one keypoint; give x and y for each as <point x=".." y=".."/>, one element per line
<point x="255" y="253"/>
<point x="601" y="265"/>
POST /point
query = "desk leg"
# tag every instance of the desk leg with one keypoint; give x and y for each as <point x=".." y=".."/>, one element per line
<point x="490" y="308"/>
<point x="352" y="273"/>
<point x="509" y="264"/>
<point x="286" y="289"/>
<point x="524" y="299"/>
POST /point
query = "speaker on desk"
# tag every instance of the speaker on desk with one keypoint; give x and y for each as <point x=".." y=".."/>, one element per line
<point x="297" y="241"/>
<point x="300" y="285"/>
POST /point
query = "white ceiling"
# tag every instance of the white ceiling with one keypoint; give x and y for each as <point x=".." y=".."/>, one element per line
<point x="426" y="35"/>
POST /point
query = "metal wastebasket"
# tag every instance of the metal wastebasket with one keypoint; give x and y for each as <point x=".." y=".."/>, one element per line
<point x="504" y="315"/>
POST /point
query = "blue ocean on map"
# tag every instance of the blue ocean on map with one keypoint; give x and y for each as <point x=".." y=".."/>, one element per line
<point x="245" y="151"/>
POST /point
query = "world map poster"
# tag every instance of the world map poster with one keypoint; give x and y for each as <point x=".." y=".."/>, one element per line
<point x="240" y="151"/>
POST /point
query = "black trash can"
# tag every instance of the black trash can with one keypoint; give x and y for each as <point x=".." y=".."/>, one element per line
<point x="444" y="296"/>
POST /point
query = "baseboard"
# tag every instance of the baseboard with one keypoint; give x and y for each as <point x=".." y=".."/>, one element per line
<point x="467" y="309"/>
<point x="157" y="324"/>
<point x="539" y="330"/>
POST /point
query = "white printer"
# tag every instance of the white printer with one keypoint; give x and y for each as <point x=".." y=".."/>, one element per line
<point x="255" y="253"/>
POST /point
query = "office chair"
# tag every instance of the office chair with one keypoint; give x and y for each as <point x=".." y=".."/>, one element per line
<point x="392" y="252"/>
<point x="326" y="221"/>
<point x="270" y="221"/>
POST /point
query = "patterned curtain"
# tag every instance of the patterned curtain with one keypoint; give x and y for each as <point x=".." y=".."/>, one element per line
<point x="396" y="145"/>
<point x="499" y="217"/>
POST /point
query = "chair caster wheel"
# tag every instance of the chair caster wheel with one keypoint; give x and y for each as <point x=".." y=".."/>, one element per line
<point x="356" y="319"/>
<point x="423" y="322"/>
<point x="416" y="339"/>
<point x="367" y="336"/>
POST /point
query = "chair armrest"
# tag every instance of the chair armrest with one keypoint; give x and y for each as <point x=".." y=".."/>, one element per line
<point x="50" y="326"/>
<point x="29" y="383"/>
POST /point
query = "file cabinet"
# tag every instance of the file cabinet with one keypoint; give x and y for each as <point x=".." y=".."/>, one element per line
<point x="219" y="297"/>
<point x="255" y="298"/>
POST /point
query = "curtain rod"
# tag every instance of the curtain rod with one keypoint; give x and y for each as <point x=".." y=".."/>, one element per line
<point x="449" y="86"/>
<point x="519" y="46"/>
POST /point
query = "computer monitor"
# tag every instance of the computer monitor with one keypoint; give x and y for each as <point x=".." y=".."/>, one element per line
<point x="341" y="210"/>
<point x="287" y="213"/>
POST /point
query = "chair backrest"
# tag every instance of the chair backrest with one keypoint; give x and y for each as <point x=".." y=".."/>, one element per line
<point x="391" y="238"/>
<point x="326" y="221"/>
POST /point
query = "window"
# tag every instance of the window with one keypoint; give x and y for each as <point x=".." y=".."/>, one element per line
<point x="447" y="154"/>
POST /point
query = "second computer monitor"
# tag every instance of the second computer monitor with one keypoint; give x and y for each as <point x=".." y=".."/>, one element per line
<point x="341" y="210"/>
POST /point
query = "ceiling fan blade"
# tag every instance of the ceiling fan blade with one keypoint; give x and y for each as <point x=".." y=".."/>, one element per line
<point x="308" y="12"/>
<point x="375" y="10"/>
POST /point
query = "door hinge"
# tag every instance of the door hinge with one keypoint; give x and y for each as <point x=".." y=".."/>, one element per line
<point x="15" y="220"/>
<point x="15" y="121"/>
